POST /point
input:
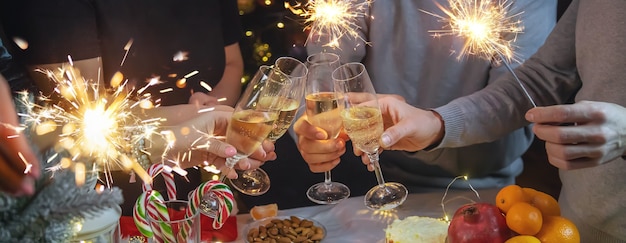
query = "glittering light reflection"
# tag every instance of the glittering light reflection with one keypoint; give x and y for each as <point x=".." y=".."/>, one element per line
<point x="330" y="20"/>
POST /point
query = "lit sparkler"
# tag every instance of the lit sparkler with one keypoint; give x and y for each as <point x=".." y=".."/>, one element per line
<point x="330" y="19"/>
<point x="483" y="24"/>
<point x="96" y="126"/>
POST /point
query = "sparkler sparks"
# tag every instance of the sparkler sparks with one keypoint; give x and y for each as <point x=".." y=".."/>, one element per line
<point x="95" y="126"/>
<point x="483" y="24"/>
<point x="330" y="19"/>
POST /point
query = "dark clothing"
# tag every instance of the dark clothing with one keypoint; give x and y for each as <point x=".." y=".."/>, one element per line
<point x="159" y="29"/>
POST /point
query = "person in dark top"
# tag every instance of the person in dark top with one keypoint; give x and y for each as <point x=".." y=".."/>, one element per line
<point x="185" y="44"/>
<point x="165" y="39"/>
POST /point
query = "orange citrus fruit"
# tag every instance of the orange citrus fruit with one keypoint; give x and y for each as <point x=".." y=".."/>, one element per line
<point x="557" y="229"/>
<point x="547" y="204"/>
<point x="509" y="195"/>
<point x="523" y="239"/>
<point x="524" y="219"/>
<point x="264" y="211"/>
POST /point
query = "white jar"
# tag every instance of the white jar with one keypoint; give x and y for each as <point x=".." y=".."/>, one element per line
<point x="102" y="227"/>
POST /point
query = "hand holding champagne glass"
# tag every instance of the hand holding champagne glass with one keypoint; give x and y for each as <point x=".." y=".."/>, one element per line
<point x="363" y="122"/>
<point x="251" y="123"/>
<point x="323" y="108"/>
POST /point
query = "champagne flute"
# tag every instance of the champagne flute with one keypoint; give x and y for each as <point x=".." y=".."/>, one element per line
<point x="252" y="121"/>
<point x="363" y="122"/>
<point x="296" y="71"/>
<point x="323" y="108"/>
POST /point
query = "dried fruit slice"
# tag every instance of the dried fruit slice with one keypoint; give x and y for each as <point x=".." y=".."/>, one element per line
<point x="264" y="211"/>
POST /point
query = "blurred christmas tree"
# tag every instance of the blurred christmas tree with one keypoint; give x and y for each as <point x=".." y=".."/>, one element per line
<point x="271" y="31"/>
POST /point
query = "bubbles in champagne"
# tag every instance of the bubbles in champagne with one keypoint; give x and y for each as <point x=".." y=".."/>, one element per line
<point x="364" y="125"/>
<point x="248" y="128"/>
<point x="285" y="117"/>
<point x="323" y="111"/>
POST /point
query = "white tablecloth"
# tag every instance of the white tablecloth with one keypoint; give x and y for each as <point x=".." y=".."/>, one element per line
<point x="351" y="221"/>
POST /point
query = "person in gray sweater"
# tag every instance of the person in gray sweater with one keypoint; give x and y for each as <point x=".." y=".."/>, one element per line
<point x="584" y="58"/>
<point x="403" y="58"/>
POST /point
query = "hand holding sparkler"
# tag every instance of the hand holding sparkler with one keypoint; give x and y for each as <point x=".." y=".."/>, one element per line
<point x="19" y="167"/>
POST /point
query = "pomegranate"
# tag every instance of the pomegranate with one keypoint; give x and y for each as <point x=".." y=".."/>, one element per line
<point x="478" y="223"/>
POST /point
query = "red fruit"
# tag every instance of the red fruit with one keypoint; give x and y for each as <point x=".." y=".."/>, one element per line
<point x="478" y="223"/>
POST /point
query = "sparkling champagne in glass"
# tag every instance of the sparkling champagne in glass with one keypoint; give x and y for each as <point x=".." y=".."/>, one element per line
<point x="363" y="122"/>
<point x="323" y="109"/>
<point x="252" y="121"/>
<point x="296" y="71"/>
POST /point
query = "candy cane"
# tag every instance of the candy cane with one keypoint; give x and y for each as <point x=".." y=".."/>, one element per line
<point x="151" y="204"/>
<point x="224" y="196"/>
<point x="221" y="193"/>
<point x="140" y="215"/>
<point x="145" y="207"/>
<point x="157" y="210"/>
<point x="168" y="177"/>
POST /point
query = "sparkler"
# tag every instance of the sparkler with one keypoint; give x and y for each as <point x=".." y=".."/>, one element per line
<point x="483" y="23"/>
<point x="96" y="126"/>
<point x="99" y="126"/>
<point x="331" y="19"/>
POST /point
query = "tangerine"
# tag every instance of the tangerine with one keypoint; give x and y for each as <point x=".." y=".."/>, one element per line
<point x="264" y="211"/>
<point x="509" y="195"/>
<point x="523" y="239"/>
<point x="547" y="204"/>
<point x="557" y="229"/>
<point x="524" y="219"/>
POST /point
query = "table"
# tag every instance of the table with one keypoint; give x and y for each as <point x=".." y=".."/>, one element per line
<point x="351" y="221"/>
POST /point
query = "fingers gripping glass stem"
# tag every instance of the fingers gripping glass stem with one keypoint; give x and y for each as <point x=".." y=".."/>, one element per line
<point x="374" y="158"/>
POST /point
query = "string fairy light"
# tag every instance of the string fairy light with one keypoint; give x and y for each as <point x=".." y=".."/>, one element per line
<point x="483" y="23"/>
<point x="443" y="199"/>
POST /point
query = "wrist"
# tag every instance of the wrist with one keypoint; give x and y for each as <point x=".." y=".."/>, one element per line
<point x="438" y="124"/>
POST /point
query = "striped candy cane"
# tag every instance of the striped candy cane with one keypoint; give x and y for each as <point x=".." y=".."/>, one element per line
<point x="222" y="193"/>
<point x="157" y="210"/>
<point x="168" y="177"/>
<point x="151" y="204"/>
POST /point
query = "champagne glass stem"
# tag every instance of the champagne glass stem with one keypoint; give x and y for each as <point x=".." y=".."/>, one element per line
<point x="327" y="178"/>
<point x="230" y="164"/>
<point x="374" y="161"/>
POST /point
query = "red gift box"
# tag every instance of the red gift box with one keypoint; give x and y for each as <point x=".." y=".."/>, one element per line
<point x="227" y="233"/>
